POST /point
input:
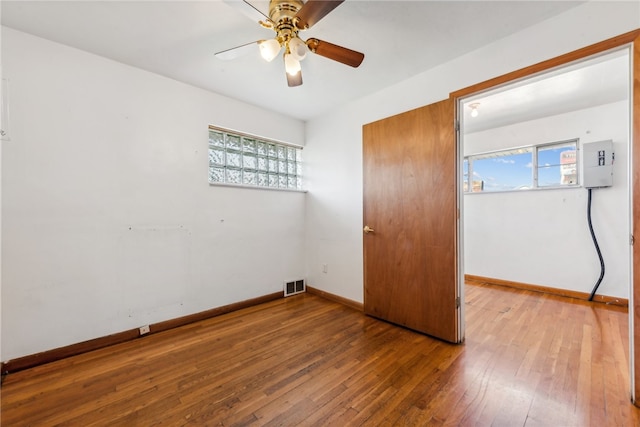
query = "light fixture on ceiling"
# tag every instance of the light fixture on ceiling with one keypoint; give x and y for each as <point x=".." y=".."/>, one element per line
<point x="474" y="109"/>
<point x="291" y="64"/>
<point x="295" y="51"/>
<point x="297" y="48"/>
<point x="269" y="49"/>
<point x="287" y="18"/>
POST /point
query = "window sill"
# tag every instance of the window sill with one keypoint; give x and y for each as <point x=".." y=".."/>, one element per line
<point x="526" y="190"/>
<point x="255" y="187"/>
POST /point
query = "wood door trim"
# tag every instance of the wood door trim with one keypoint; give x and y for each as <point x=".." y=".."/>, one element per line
<point x="575" y="55"/>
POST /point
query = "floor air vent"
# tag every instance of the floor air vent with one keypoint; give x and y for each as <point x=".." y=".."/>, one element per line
<point x="294" y="287"/>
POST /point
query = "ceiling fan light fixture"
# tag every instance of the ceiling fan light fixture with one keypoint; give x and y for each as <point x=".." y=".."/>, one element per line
<point x="286" y="18"/>
<point x="298" y="48"/>
<point x="269" y="49"/>
<point x="291" y="64"/>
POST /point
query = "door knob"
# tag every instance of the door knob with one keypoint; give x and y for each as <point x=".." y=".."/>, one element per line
<point x="367" y="229"/>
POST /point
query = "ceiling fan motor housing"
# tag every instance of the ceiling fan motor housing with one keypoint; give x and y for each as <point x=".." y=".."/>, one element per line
<point x="282" y="13"/>
<point x="284" y="9"/>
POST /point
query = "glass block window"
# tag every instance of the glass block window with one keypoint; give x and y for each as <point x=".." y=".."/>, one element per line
<point x="246" y="160"/>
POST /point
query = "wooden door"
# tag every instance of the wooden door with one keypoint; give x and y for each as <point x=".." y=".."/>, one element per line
<point x="410" y="203"/>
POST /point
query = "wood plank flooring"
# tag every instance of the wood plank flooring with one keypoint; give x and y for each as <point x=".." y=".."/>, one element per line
<point x="529" y="360"/>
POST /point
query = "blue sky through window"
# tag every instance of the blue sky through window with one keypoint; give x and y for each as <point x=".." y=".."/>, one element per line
<point x="513" y="169"/>
<point x="551" y="172"/>
<point x="504" y="172"/>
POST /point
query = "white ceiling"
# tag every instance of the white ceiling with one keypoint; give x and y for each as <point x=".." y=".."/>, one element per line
<point x="177" y="39"/>
<point x="596" y="81"/>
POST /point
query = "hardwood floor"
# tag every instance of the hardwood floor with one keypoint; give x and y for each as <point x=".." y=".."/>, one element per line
<point x="529" y="360"/>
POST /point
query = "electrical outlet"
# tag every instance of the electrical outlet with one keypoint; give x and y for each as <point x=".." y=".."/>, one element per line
<point x="145" y="329"/>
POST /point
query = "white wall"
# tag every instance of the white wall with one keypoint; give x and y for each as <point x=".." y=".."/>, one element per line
<point x="108" y="220"/>
<point x="542" y="237"/>
<point x="334" y="141"/>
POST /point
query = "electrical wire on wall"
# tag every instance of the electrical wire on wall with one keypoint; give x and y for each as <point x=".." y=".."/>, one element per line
<point x="595" y="243"/>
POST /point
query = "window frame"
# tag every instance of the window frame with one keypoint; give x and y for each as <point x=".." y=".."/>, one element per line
<point x="534" y="149"/>
<point x="281" y="164"/>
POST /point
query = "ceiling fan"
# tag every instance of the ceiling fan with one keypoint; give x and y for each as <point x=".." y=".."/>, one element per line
<point x="287" y="18"/>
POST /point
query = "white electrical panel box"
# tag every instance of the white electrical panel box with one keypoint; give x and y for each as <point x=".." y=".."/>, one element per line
<point x="597" y="164"/>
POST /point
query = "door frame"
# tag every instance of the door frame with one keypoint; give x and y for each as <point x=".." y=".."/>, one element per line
<point x="631" y="39"/>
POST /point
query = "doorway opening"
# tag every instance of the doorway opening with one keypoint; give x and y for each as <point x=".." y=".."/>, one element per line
<point x="521" y="171"/>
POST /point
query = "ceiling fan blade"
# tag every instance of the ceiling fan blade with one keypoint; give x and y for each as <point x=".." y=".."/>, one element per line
<point x="313" y="11"/>
<point x="296" y="80"/>
<point x="335" y="52"/>
<point x="248" y="9"/>
<point x="236" y="52"/>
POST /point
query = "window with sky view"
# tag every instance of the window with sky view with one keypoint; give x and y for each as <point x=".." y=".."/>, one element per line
<point x="543" y="166"/>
